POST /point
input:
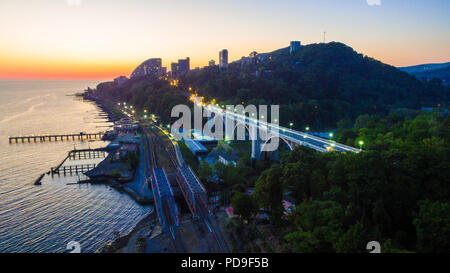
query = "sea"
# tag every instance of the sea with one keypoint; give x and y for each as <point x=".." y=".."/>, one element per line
<point x="46" y="218"/>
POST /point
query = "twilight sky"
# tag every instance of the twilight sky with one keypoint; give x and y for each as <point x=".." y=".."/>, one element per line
<point x="107" y="38"/>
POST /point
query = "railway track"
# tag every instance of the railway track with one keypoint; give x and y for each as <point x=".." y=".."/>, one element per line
<point x="176" y="238"/>
<point x="217" y="242"/>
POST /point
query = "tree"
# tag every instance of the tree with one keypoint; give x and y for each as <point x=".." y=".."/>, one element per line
<point x="433" y="226"/>
<point x="204" y="171"/>
<point x="269" y="192"/>
<point x="243" y="205"/>
<point x="303" y="242"/>
<point x="353" y="241"/>
<point x="318" y="222"/>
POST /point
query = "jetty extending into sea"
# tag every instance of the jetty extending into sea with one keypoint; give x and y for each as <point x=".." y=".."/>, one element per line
<point x="67" y="137"/>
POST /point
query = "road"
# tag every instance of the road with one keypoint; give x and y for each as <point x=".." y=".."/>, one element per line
<point x="305" y="139"/>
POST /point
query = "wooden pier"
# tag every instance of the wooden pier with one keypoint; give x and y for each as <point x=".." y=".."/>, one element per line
<point x="72" y="169"/>
<point x="87" y="154"/>
<point x="66" y="137"/>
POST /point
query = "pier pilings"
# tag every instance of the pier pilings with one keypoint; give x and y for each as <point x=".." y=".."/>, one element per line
<point x="62" y="137"/>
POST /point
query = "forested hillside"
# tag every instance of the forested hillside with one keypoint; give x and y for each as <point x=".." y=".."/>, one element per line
<point x="318" y="86"/>
<point x="395" y="192"/>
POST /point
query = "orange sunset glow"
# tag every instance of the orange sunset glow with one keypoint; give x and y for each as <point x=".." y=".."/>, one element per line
<point x="104" y="39"/>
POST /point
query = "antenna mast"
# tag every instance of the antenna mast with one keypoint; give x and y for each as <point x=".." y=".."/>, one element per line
<point x="324" y="36"/>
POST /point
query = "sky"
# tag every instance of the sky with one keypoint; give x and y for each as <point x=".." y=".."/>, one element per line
<point x="103" y="39"/>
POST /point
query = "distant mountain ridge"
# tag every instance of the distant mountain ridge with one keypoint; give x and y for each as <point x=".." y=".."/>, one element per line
<point x="430" y="71"/>
<point x="424" y="67"/>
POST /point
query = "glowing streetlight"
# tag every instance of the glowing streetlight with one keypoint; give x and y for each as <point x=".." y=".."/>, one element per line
<point x="145" y="110"/>
<point x="331" y="135"/>
<point x="307" y="129"/>
<point x="291" y="124"/>
<point x="361" y="143"/>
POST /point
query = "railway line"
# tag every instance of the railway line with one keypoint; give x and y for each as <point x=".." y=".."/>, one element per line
<point x="216" y="241"/>
<point x="167" y="216"/>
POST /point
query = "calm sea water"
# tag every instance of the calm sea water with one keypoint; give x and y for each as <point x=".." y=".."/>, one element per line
<point x="45" y="218"/>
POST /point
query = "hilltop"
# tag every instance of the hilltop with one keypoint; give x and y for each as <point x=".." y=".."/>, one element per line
<point x="317" y="86"/>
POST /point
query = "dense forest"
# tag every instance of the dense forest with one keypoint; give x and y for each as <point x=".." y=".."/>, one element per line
<point x="396" y="192"/>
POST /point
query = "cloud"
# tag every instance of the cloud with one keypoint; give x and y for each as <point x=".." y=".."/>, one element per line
<point x="72" y="3"/>
<point x="374" y="2"/>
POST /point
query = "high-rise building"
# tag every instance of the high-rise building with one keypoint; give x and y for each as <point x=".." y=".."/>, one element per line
<point x="295" y="45"/>
<point x="149" y="67"/>
<point x="174" y="67"/>
<point x="182" y="66"/>
<point x="185" y="65"/>
<point x="212" y="63"/>
<point x="223" y="58"/>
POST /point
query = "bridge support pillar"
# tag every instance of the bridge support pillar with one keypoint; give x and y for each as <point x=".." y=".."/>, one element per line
<point x="256" y="149"/>
<point x="256" y="142"/>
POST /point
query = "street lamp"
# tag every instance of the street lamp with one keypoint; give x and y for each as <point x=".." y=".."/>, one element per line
<point x="361" y="143"/>
<point x="291" y="124"/>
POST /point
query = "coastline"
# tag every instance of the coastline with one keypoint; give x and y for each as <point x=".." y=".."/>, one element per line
<point x="121" y="242"/>
<point x="88" y="214"/>
<point x="146" y="222"/>
<point x="112" y="117"/>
